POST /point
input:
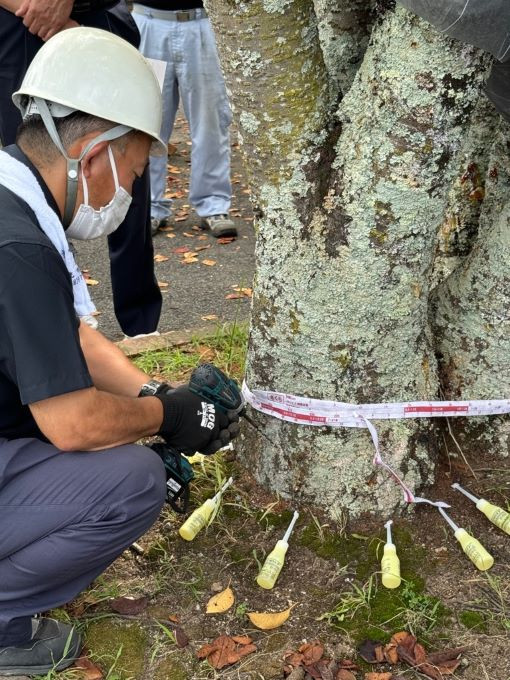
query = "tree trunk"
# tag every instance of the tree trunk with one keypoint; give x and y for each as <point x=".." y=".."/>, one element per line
<point x="347" y="222"/>
<point x="472" y="315"/>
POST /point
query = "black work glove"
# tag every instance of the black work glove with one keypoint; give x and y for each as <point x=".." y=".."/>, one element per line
<point x="192" y="423"/>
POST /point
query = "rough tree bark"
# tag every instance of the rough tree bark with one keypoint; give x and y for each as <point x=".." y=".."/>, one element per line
<point x="472" y="314"/>
<point x="348" y="203"/>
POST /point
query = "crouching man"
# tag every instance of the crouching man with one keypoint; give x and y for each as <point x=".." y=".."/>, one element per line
<point x="74" y="489"/>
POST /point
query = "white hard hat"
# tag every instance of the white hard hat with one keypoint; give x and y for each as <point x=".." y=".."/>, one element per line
<point x="98" y="73"/>
<point x="90" y="70"/>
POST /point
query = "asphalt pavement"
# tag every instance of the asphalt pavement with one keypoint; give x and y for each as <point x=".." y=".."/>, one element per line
<point x="204" y="281"/>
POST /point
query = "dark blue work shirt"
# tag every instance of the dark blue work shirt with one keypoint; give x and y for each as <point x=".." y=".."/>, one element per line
<point x="40" y="353"/>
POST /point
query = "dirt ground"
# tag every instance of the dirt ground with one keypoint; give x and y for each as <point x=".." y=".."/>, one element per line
<point x="444" y="600"/>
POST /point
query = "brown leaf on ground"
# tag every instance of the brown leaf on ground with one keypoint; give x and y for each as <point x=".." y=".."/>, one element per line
<point x="186" y="233"/>
<point x="87" y="670"/>
<point x="209" y="317"/>
<point x="348" y="664"/>
<point x="180" y="219"/>
<point x="181" y="639"/>
<point x="404" y="639"/>
<point x="162" y="284"/>
<point x="170" y="235"/>
<point x="234" y="296"/>
<point x="174" y="170"/>
<point x="181" y="249"/>
<point x="225" y="650"/>
<point x="223" y="240"/>
<point x="91" y="282"/>
<point x="311" y="652"/>
<point x="390" y="653"/>
<point x="378" y="676"/>
<point x="344" y="674"/>
<point x="420" y="654"/>
<point x="160" y="258"/>
<point x="371" y="651"/>
<point x="205" y="247"/>
<point x="130" y="606"/>
<point x="440" y="658"/>
<point x="174" y="618"/>
<point x="209" y="263"/>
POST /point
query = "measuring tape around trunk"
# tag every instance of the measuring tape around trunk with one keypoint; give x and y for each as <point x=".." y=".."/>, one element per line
<point x="319" y="413"/>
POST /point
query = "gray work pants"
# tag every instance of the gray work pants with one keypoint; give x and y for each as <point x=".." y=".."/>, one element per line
<point x="64" y="517"/>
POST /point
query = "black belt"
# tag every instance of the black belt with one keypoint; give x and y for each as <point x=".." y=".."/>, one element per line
<point x="81" y="6"/>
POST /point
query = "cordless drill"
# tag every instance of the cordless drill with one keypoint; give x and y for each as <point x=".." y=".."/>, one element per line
<point x="211" y="383"/>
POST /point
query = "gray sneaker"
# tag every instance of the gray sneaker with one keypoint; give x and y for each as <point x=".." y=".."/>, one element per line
<point x="157" y="223"/>
<point x="54" y="646"/>
<point x="219" y="225"/>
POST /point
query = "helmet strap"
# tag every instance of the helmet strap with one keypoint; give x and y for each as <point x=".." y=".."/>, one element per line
<point x="73" y="164"/>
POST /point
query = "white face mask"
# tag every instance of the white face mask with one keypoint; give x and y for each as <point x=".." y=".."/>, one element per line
<point x="89" y="223"/>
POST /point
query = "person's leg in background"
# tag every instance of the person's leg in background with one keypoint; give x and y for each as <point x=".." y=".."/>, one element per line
<point x="137" y="298"/>
<point x="207" y="109"/>
<point x="17" y="49"/>
<point x="65" y="518"/>
<point x="159" y="40"/>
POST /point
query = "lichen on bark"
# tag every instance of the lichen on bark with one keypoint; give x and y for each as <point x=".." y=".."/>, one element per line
<point x="347" y="217"/>
<point x="472" y="315"/>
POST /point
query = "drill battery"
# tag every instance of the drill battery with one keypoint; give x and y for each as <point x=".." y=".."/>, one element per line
<point x="179" y="474"/>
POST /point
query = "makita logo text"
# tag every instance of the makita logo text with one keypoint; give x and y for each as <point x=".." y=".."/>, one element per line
<point x="208" y="415"/>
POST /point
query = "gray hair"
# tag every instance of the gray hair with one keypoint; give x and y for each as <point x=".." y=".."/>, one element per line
<point x="33" y="136"/>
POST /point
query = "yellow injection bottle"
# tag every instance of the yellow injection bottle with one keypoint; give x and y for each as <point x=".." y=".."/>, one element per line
<point x="390" y="564"/>
<point x="473" y="548"/>
<point x="199" y="517"/>
<point x="494" y="513"/>
<point x="274" y="561"/>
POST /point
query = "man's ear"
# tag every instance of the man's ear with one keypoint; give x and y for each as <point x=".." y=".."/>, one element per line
<point x="91" y="156"/>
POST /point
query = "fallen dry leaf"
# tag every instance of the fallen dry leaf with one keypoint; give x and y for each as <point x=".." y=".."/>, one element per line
<point x="223" y="240"/>
<point x="312" y="652"/>
<point x="174" y="170"/>
<point x="209" y="263"/>
<point x="247" y="292"/>
<point x="269" y="620"/>
<point x="170" y="235"/>
<point x="234" y="296"/>
<point x="225" y="651"/>
<point x="390" y="653"/>
<point x="87" y="670"/>
<point x="181" y="639"/>
<point x="186" y="233"/>
<point x="129" y="605"/>
<point x="209" y="317"/>
<point x="344" y="674"/>
<point x="181" y="249"/>
<point x="199" y="248"/>
<point x="91" y="282"/>
<point x="160" y="258"/>
<point x="180" y="219"/>
<point x="162" y="284"/>
<point x="221" y="602"/>
<point x="378" y="676"/>
<point x="174" y="618"/>
<point x="370" y="651"/>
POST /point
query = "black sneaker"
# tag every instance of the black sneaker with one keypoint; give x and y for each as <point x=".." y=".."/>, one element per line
<point x="219" y="225"/>
<point x="54" y="646"/>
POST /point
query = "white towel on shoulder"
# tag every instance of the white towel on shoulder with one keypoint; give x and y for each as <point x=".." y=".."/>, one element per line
<point x="19" y="179"/>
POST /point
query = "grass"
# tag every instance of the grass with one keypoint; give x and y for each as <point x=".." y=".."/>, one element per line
<point x="369" y="610"/>
<point x="226" y="349"/>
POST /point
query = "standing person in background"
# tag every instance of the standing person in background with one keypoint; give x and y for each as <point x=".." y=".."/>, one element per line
<point x="179" y="33"/>
<point x="24" y="27"/>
